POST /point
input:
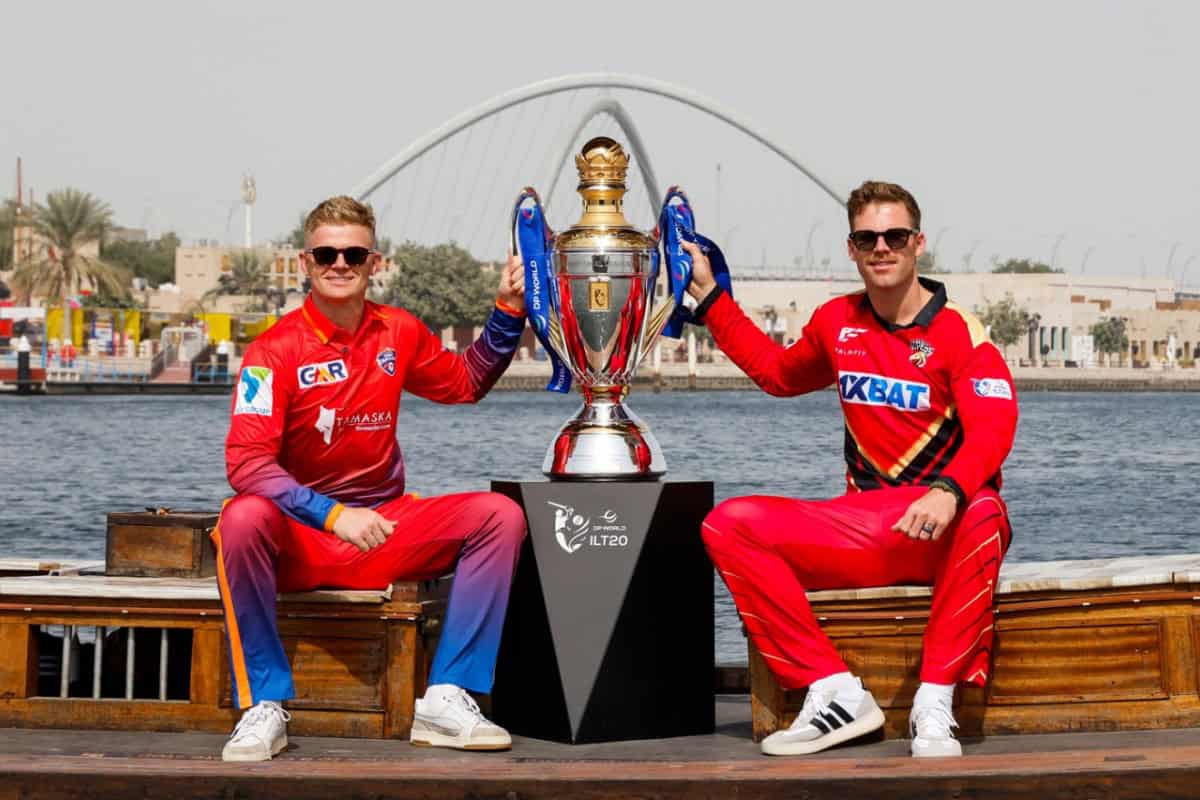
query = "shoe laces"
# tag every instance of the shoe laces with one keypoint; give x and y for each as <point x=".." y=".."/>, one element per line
<point x="260" y="714"/>
<point x="815" y="705"/>
<point x="463" y="699"/>
<point x="933" y="721"/>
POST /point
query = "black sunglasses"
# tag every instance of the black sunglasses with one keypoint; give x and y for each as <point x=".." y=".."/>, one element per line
<point x="328" y="256"/>
<point x="895" y="238"/>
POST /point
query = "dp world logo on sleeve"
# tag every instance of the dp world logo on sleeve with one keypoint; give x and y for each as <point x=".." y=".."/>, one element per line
<point x="573" y="531"/>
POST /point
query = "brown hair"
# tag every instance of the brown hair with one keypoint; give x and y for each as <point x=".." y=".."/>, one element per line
<point x="340" y="210"/>
<point x="880" y="192"/>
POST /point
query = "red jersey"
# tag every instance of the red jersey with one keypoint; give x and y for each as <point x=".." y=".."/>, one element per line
<point x="313" y="422"/>
<point x="926" y="401"/>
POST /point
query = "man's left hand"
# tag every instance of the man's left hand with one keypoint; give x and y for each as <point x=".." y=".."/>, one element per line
<point x="512" y="284"/>
<point x="929" y="516"/>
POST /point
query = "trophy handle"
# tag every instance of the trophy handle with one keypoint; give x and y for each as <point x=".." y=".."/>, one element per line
<point x="654" y="328"/>
<point x="554" y="334"/>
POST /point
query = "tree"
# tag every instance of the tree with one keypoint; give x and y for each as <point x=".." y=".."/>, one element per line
<point x="153" y="261"/>
<point x="442" y="286"/>
<point x="1109" y="336"/>
<point x="295" y="237"/>
<point x="1023" y="266"/>
<point x="927" y="264"/>
<point x="68" y="221"/>
<point x="247" y="275"/>
<point x="1006" y="322"/>
<point x="8" y="218"/>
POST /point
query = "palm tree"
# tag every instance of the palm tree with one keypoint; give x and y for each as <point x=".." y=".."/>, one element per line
<point x="247" y="275"/>
<point x="68" y="221"/>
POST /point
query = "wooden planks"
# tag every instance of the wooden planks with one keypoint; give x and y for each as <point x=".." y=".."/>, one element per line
<point x="348" y="650"/>
<point x="1119" y="656"/>
<point x="149" y="544"/>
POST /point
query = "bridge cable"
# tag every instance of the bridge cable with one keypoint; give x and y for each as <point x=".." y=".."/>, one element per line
<point x="428" y="206"/>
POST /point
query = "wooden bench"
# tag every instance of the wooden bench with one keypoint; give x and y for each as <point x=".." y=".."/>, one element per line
<point x="1095" y="645"/>
<point x="359" y="658"/>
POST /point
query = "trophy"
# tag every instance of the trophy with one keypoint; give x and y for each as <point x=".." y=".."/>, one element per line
<point x="598" y="318"/>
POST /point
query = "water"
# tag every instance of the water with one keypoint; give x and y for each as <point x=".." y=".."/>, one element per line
<point x="1091" y="475"/>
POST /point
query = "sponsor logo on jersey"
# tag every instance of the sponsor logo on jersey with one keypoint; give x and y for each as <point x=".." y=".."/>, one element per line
<point x="255" y="392"/>
<point x="921" y="352"/>
<point x="311" y="375"/>
<point x="992" y="387"/>
<point x="326" y="420"/>
<point x="846" y="334"/>
<point x="367" y="420"/>
<point x="879" y="390"/>
<point x="387" y="361"/>
<point x="574" y="531"/>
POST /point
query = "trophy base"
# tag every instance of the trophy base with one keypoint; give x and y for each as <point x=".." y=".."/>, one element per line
<point x="605" y="441"/>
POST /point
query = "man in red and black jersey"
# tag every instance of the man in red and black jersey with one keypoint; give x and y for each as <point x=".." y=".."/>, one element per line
<point x="930" y="415"/>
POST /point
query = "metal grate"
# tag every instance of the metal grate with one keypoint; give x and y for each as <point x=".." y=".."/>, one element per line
<point x="100" y="662"/>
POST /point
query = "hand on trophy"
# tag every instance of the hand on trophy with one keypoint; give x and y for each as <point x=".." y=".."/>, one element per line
<point x="511" y="294"/>
<point x="703" y="281"/>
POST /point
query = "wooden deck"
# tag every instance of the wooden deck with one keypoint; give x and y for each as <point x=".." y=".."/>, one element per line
<point x="56" y="763"/>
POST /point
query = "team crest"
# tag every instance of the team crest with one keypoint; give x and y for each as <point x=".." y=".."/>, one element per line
<point x="387" y="361"/>
<point x="921" y="352"/>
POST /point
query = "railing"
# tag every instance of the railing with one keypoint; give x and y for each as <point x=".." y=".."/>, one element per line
<point x="137" y="674"/>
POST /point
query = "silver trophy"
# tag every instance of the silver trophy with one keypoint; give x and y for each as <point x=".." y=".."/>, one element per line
<point x="604" y="325"/>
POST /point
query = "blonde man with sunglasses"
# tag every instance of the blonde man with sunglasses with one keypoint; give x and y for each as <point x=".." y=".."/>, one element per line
<point x="313" y="457"/>
<point x="930" y="414"/>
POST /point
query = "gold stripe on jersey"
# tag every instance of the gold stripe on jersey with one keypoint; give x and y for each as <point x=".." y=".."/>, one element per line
<point x="975" y="328"/>
<point x="922" y="441"/>
<point x="866" y="457"/>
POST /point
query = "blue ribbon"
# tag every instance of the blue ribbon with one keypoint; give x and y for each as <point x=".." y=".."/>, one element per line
<point x="534" y="242"/>
<point x="677" y="224"/>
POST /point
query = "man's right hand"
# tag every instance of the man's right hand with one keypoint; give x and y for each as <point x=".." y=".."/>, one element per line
<point x="362" y="527"/>
<point x="703" y="281"/>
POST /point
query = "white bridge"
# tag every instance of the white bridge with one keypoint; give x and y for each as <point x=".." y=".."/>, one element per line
<point x="454" y="199"/>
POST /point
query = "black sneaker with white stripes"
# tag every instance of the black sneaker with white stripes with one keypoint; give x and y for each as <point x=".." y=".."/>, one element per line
<point x="827" y="718"/>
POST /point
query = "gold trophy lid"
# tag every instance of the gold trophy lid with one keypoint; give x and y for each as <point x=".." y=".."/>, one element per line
<point x="602" y="165"/>
<point x="602" y="162"/>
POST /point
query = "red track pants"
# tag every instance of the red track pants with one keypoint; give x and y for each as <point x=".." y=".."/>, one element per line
<point x="769" y="550"/>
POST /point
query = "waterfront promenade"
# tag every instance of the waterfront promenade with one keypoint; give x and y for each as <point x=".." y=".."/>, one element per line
<point x="722" y="375"/>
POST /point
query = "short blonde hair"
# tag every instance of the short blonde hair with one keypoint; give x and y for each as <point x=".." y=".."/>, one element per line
<point x="340" y="210"/>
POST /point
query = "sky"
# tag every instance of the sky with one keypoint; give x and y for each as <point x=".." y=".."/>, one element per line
<point x="1064" y="131"/>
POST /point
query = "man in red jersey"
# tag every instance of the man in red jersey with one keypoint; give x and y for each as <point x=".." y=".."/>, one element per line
<point x="930" y="415"/>
<point x="319" y="476"/>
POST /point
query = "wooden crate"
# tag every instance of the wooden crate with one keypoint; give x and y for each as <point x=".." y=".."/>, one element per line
<point x="1099" y="645"/>
<point x="173" y="544"/>
<point x="359" y="659"/>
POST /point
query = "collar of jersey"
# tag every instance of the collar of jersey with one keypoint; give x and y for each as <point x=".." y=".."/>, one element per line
<point x="326" y="330"/>
<point x="924" y="317"/>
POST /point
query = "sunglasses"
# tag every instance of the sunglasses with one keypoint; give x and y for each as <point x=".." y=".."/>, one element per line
<point x="328" y="256"/>
<point x="894" y="238"/>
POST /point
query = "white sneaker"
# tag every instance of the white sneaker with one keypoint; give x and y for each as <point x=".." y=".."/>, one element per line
<point x="260" y="734"/>
<point x="827" y="718"/>
<point x="449" y="717"/>
<point x="931" y="725"/>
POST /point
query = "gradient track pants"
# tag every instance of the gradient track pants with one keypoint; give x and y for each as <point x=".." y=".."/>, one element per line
<point x="261" y="552"/>
<point x="769" y="550"/>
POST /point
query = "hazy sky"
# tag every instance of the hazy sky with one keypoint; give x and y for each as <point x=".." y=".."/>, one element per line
<point x="1018" y="125"/>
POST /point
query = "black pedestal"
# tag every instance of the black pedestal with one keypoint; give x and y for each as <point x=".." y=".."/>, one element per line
<point x="609" y="634"/>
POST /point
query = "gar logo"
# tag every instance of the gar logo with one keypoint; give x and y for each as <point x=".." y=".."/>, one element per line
<point x="922" y="351"/>
<point x="387" y="360"/>
<point x="255" y="392"/>
<point x="879" y="390"/>
<point x="846" y="334"/>
<point x="997" y="388"/>
<point x="573" y="531"/>
<point x="311" y="375"/>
